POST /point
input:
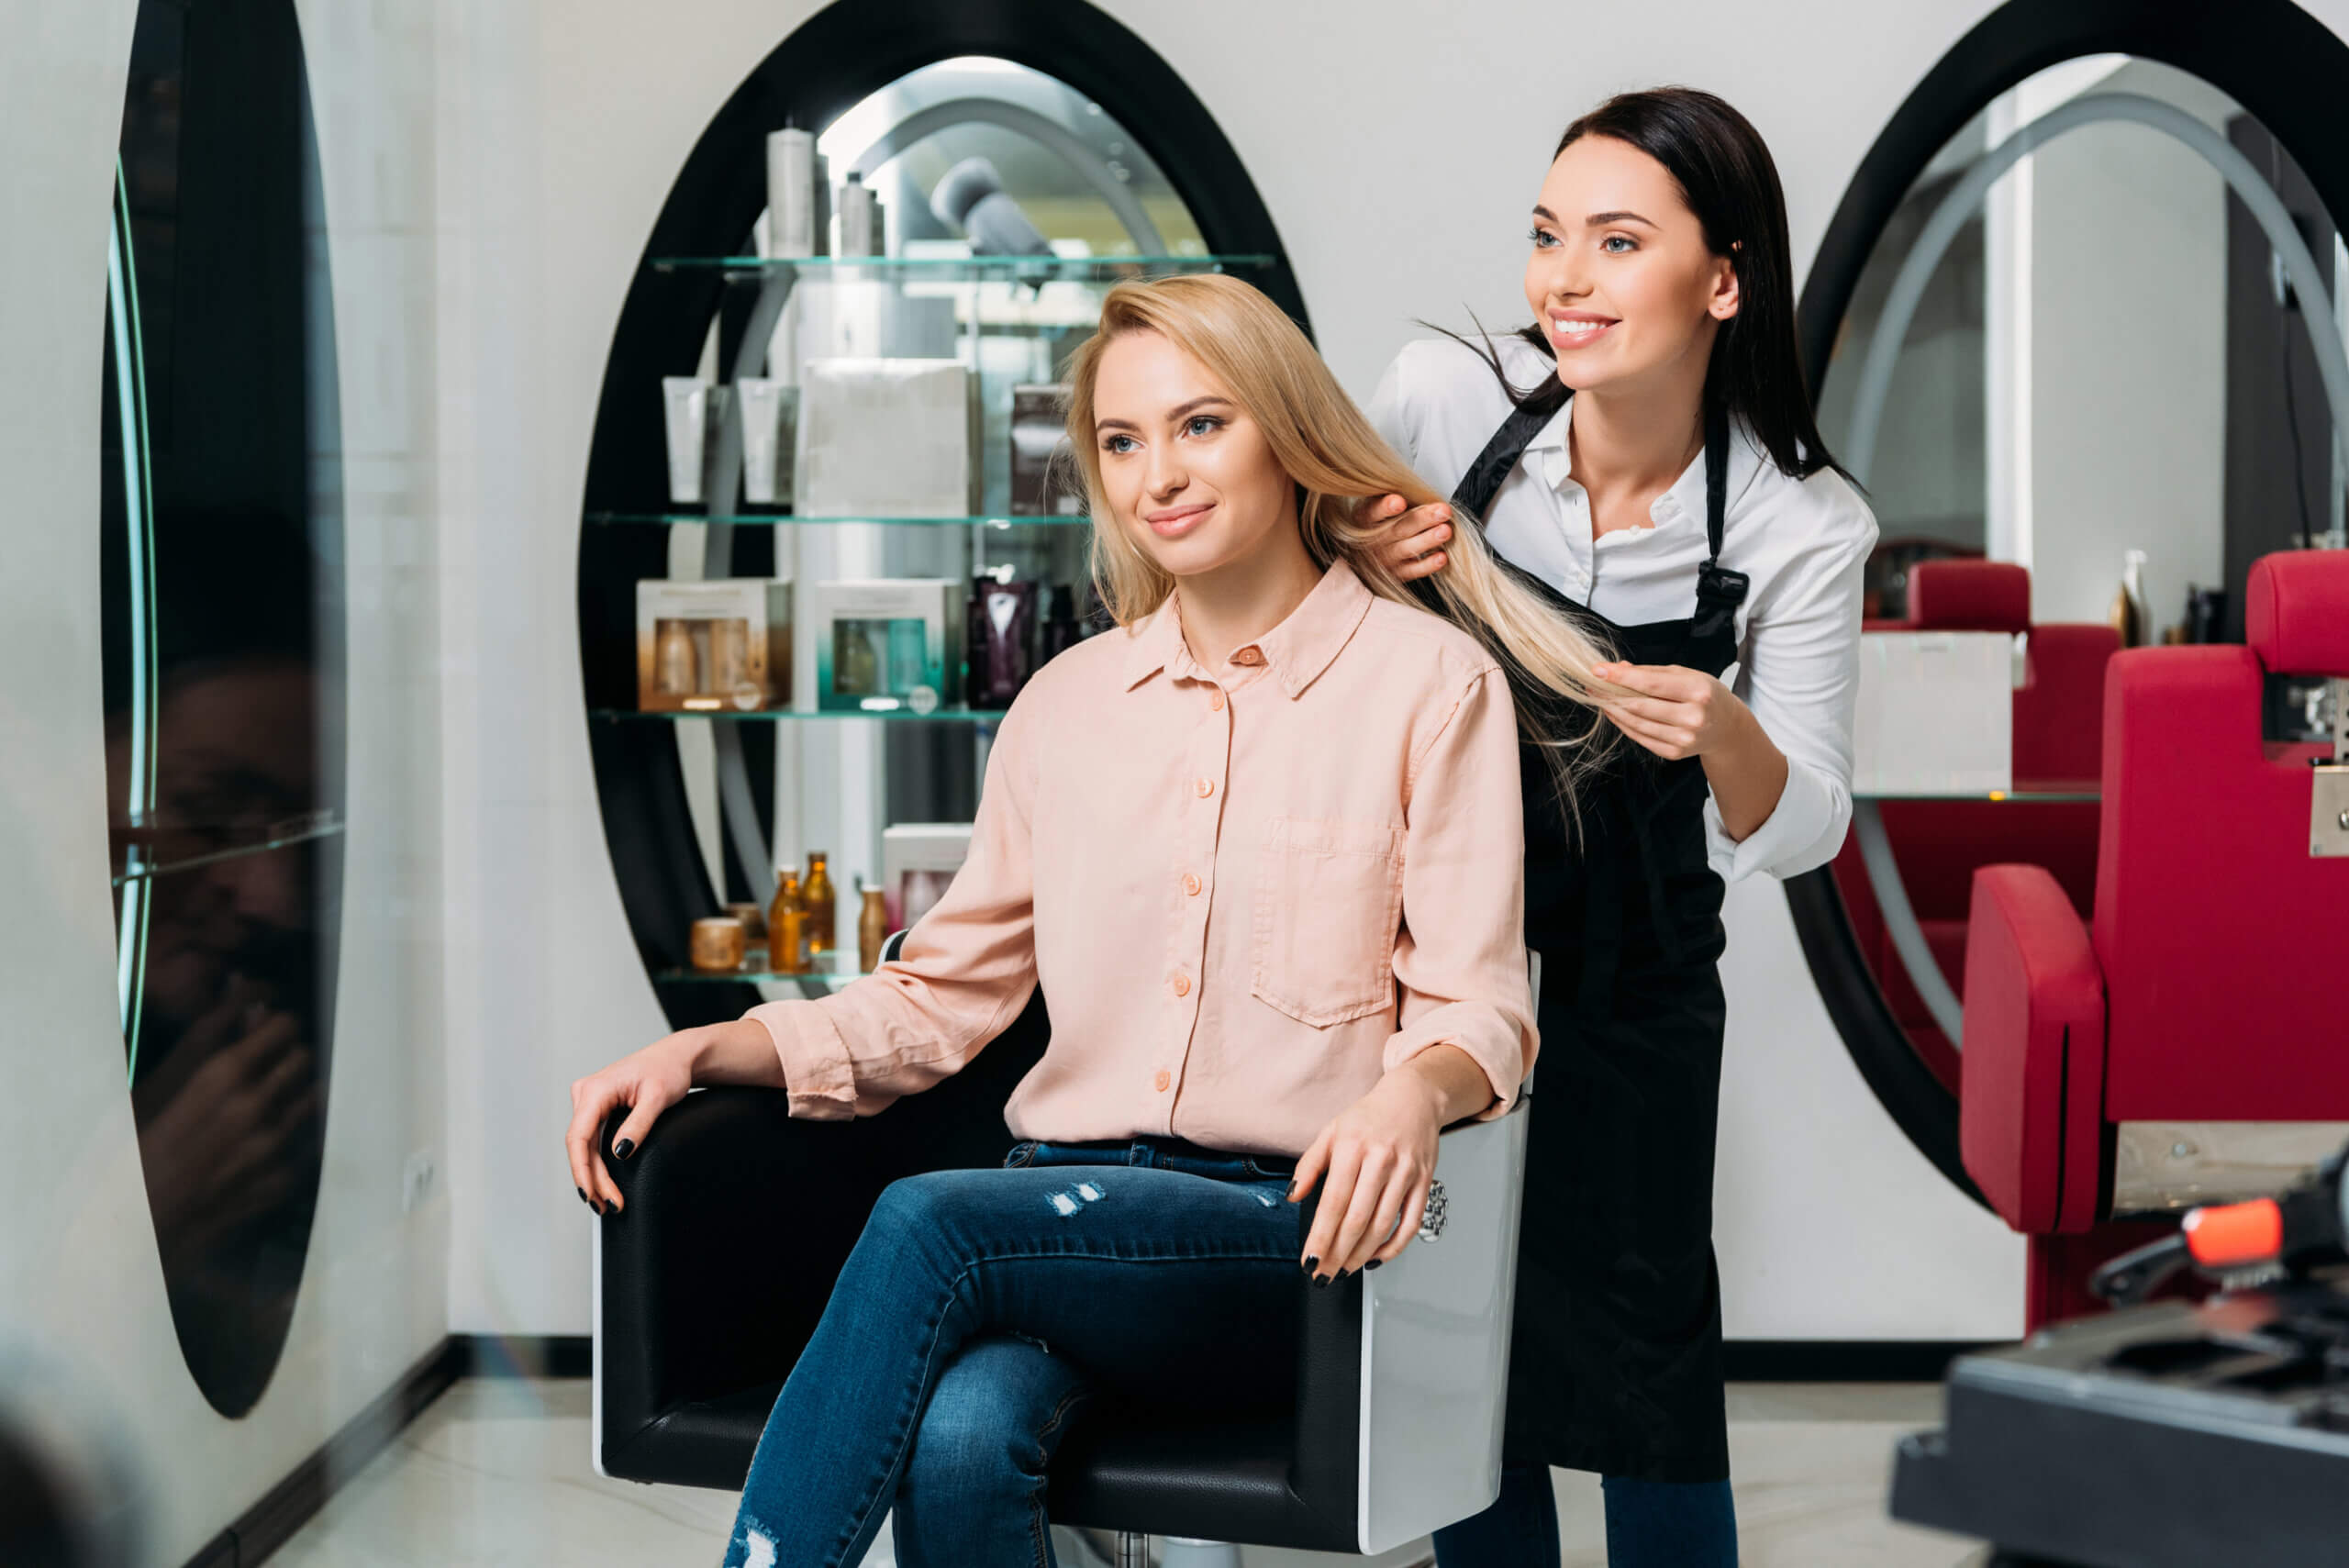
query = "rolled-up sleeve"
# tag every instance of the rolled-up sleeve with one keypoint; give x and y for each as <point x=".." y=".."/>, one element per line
<point x="1800" y="677"/>
<point x="1460" y="955"/>
<point x="963" y="973"/>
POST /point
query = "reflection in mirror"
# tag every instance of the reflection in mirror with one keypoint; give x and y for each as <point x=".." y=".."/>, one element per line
<point x="2109" y="354"/>
<point x="2099" y="342"/>
<point x="221" y="565"/>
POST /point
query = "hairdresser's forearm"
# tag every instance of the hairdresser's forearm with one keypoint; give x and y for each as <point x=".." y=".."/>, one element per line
<point x="742" y="1051"/>
<point x="1747" y="772"/>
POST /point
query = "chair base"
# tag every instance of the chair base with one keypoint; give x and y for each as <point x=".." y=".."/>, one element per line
<point x="1133" y="1552"/>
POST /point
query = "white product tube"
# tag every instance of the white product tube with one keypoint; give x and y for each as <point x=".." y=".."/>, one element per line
<point x="791" y="193"/>
<point x="856" y="218"/>
<point x="760" y="401"/>
<point x="684" y="404"/>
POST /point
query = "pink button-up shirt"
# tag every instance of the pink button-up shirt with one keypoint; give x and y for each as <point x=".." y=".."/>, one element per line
<point x="1248" y="891"/>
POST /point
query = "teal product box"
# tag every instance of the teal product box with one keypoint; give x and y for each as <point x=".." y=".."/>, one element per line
<point x="881" y="645"/>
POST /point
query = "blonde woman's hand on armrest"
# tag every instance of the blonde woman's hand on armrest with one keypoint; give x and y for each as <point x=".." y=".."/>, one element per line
<point x="649" y="1082"/>
<point x="1414" y="537"/>
<point x="1378" y="1156"/>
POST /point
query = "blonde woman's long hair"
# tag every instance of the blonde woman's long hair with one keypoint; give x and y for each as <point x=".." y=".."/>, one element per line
<point x="1338" y="462"/>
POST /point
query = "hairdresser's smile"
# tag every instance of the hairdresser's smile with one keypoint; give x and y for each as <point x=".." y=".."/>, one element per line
<point x="1571" y="329"/>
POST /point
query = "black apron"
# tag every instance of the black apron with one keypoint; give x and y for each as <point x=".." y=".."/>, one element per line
<point x="1616" y="1361"/>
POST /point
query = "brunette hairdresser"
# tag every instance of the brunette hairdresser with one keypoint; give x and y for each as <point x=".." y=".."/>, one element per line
<point x="1646" y="452"/>
<point x="1263" y="844"/>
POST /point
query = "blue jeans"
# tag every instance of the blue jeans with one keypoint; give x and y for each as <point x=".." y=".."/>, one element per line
<point x="1650" y="1524"/>
<point x="977" y="1312"/>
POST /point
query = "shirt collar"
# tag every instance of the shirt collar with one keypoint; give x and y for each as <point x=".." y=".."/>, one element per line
<point x="1686" y="496"/>
<point x="1295" y="651"/>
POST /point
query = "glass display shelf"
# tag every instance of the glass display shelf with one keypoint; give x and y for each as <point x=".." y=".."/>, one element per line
<point x="786" y="519"/>
<point x="2033" y="792"/>
<point x="958" y="269"/>
<point x="835" y="969"/>
<point x="947" y="714"/>
<point x="156" y="850"/>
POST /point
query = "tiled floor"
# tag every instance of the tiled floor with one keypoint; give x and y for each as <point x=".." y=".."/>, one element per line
<point x="497" y="1472"/>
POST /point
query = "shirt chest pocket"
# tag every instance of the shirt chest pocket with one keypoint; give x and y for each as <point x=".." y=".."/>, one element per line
<point x="1328" y="902"/>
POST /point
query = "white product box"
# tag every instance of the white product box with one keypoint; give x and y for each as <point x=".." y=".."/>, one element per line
<point x="885" y="439"/>
<point x="1936" y="714"/>
<point x="879" y="645"/>
<point x="713" y="646"/>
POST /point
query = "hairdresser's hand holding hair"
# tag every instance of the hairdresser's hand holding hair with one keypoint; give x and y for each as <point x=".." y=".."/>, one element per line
<point x="1669" y="710"/>
<point x="1413" y="538"/>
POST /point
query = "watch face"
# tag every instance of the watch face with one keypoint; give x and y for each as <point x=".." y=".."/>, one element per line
<point x="922" y="699"/>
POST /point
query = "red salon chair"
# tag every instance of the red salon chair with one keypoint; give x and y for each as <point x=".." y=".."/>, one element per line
<point x="2183" y="1044"/>
<point x="1938" y="844"/>
<point x="1392" y="1430"/>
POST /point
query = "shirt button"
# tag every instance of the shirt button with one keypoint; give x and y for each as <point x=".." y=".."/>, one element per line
<point x="1215" y="701"/>
<point x="1181" y="985"/>
<point x="1191" y="883"/>
<point x="1205" y="788"/>
<point x="1161" y="1082"/>
<point x="1248" y="656"/>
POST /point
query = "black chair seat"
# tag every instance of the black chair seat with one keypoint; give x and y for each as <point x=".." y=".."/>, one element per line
<point x="700" y="1442"/>
<point x="1224" y="1480"/>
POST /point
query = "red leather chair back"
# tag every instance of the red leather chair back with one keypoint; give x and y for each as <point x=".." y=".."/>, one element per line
<point x="1969" y="595"/>
<point x="2219" y="935"/>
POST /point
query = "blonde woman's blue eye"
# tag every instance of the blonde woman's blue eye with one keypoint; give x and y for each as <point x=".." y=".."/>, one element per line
<point x="1542" y="238"/>
<point x="1111" y="444"/>
<point x="1192" y="426"/>
<point x="1608" y="243"/>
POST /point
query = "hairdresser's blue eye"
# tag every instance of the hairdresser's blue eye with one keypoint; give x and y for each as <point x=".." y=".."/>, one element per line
<point x="1112" y="445"/>
<point x="1200" y="424"/>
<point x="1542" y="239"/>
<point x="1611" y="241"/>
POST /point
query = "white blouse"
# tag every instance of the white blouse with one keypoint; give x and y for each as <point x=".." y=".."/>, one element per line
<point x="1802" y="544"/>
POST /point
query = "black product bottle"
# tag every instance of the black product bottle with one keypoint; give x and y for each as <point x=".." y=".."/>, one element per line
<point x="1061" y="631"/>
<point x="974" y="642"/>
<point x="1009" y="612"/>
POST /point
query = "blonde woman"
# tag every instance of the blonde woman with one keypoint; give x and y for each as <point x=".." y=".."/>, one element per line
<point x="1262" y="849"/>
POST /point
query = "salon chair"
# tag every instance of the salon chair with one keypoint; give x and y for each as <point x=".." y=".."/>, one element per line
<point x="739" y="1220"/>
<point x="2187" y="1042"/>
<point x="1938" y="844"/>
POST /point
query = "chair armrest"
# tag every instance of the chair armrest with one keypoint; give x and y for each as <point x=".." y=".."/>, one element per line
<point x="2030" y="1098"/>
<point x="738" y="1218"/>
<point x="1402" y="1374"/>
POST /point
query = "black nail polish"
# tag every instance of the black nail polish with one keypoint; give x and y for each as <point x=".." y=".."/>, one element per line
<point x="1321" y="1281"/>
<point x="583" y="1195"/>
<point x="624" y="1148"/>
<point x="1371" y="1264"/>
<point x="1311" y="1262"/>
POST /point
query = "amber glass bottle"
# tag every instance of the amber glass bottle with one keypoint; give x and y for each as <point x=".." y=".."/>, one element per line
<point x="872" y="930"/>
<point x="818" y="893"/>
<point x="787" y="926"/>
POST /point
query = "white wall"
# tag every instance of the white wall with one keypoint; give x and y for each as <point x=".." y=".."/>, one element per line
<point x="81" y="1285"/>
<point x="1397" y="151"/>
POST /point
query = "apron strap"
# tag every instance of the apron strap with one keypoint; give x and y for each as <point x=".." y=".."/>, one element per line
<point x="1483" y="481"/>
<point x="1719" y="590"/>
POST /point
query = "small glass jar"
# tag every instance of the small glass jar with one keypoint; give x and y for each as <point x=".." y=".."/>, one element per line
<point x="718" y="944"/>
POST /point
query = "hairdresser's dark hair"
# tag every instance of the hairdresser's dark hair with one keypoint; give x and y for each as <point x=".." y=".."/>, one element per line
<point x="1728" y="181"/>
